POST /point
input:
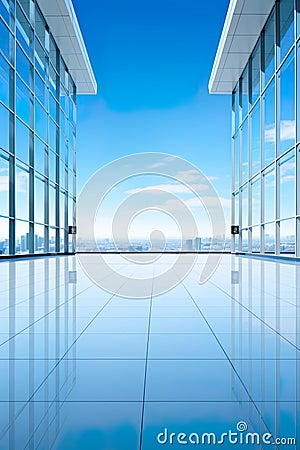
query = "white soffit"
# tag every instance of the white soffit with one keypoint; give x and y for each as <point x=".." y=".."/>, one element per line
<point x="63" y="24"/>
<point x="243" y="24"/>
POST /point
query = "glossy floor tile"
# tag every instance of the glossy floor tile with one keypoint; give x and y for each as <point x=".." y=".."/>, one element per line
<point x="83" y="368"/>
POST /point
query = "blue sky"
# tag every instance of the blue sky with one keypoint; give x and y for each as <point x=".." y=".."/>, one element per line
<point x="152" y="60"/>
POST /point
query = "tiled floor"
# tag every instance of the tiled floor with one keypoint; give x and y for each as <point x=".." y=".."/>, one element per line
<point x="84" y="369"/>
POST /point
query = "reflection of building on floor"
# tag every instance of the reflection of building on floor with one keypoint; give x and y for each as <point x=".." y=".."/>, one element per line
<point x="41" y="347"/>
<point x="265" y="339"/>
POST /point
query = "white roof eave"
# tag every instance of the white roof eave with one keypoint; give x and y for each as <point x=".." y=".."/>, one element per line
<point x="62" y="21"/>
<point x="243" y="24"/>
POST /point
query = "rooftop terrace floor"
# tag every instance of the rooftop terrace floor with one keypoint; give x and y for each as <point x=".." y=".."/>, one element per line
<point x="82" y="368"/>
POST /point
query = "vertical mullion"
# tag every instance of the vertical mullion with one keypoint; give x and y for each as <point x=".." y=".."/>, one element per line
<point x="12" y="140"/>
<point x="297" y="159"/>
<point x="233" y="162"/>
<point x="250" y="157"/>
<point x="240" y="163"/>
<point x="277" y="128"/>
<point x="262" y="146"/>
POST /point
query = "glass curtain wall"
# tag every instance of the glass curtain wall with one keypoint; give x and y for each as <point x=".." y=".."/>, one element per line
<point x="266" y="140"/>
<point x="37" y="135"/>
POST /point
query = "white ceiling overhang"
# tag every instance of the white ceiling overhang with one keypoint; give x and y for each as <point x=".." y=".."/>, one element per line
<point x="63" y="24"/>
<point x="243" y="24"/>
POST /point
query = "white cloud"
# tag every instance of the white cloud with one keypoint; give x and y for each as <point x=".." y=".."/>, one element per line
<point x="4" y="183"/>
<point x="287" y="131"/>
<point x="21" y="181"/>
<point x="171" y="188"/>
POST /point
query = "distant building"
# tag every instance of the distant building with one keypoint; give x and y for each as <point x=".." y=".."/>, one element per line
<point x="189" y="245"/>
<point x="197" y="244"/>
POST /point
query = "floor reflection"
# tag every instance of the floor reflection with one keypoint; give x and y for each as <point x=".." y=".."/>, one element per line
<point x="84" y="369"/>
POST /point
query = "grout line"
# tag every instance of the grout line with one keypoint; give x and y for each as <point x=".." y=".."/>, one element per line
<point x="146" y="366"/>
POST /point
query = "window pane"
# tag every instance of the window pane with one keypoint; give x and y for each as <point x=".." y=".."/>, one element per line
<point x="39" y="200"/>
<point x="269" y="238"/>
<point x="4" y="81"/>
<point x="40" y="59"/>
<point x="39" y="239"/>
<point x="245" y="146"/>
<point x="70" y="183"/>
<point x="24" y="31"/>
<point x="39" y="155"/>
<point x="63" y="124"/>
<point x="26" y="6"/>
<point x="4" y="187"/>
<point x="53" y="134"/>
<point x="4" y="10"/>
<point x="63" y="77"/>
<point x="72" y="111"/>
<point x="269" y="186"/>
<point x="53" y="53"/>
<point x="62" y="206"/>
<point x="5" y="38"/>
<point x="4" y="128"/>
<point x="63" y="99"/>
<point x="245" y="240"/>
<point x="236" y="161"/>
<point x="236" y="107"/>
<point x="269" y="56"/>
<point x="245" y="204"/>
<point x="52" y="203"/>
<point x="52" y="166"/>
<point x="40" y="26"/>
<point x="22" y="194"/>
<point x="52" y="240"/>
<point x="62" y="174"/>
<point x="298" y="16"/>
<point x="255" y="88"/>
<point x="22" y="237"/>
<point x="237" y="211"/>
<point x="53" y="81"/>
<point x="4" y="236"/>
<point x="24" y="67"/>
<point x="24" y="101"/>
<point x="286" y="28"/>
<point x="287" y="104"/>
<point x="256" y="201"/>
<point x="256" y="137"/>
<point x="71" y="206"/>
<point x="41" y="90"/>
<point x="270" y="132"/>
<point x="72" y="138"/>
<point x="53" y="108"/>
<point x="62" y="241"/>
<point x="71" y="159"/>
<point x="256" y="239"/>
<point x="287" y="236"/>
<point x="22" y="142"/>
<point x="41" y="121"/>
<point x="245" y="87"/>
<point x="287" y="185"/>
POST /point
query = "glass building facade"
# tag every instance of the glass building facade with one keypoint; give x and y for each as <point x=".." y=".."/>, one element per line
<point x="37" y="135"/>
<point x="265" y="139"/>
